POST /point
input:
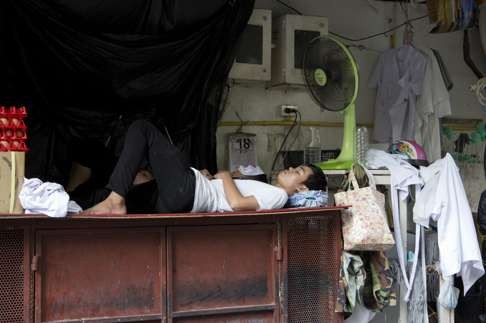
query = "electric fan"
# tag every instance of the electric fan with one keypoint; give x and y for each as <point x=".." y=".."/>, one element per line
<point x="331" y="75"/>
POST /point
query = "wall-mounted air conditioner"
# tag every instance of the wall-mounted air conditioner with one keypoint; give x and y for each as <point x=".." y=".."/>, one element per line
<point x="291" y="34"/>
<point x="254" y="52"/>
<point x="482" y="24"/>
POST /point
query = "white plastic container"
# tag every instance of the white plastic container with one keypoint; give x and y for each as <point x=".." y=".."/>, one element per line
<point x="312" y="153"/>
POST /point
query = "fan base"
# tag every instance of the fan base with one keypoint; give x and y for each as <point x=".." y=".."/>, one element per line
<point x="336" y="164"/>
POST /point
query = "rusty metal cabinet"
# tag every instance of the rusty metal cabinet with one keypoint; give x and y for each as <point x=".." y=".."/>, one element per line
<point x="262" y="267"/>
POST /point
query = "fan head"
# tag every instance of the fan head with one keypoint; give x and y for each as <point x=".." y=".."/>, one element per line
<point x="330" y="73"/>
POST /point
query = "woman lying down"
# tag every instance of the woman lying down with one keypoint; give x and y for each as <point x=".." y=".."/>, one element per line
<point x="184" y="189"/>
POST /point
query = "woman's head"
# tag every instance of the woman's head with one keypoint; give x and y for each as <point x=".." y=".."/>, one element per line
<point x="302" y="178"/>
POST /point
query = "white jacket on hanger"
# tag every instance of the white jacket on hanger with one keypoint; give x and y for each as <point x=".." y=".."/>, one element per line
<point x="444" y="200"/>
<point x="398" y="77"/>
<point x="432" y="104"/>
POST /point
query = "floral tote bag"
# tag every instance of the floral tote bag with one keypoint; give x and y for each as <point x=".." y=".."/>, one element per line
<point x="365" y="225"/>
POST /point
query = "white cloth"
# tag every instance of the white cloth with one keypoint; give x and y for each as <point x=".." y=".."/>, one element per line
<point x="46" y="198"/>
<point x="402" y="175"/>
<point x="432" y="104"/>
<point x="444" y="200"/>
<point x="398" y="76"/>
<point x="209" y="195"/>
<point x="250" y="170"/>
<point x="360" y="315"/>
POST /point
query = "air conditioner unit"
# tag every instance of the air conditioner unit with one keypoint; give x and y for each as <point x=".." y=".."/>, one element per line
<point x="482" y="24"/>
<point x="291" y="34"/>
<point x="253" y="55"/>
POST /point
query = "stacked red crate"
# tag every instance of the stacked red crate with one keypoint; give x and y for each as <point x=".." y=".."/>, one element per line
<point x="13" y="131"/>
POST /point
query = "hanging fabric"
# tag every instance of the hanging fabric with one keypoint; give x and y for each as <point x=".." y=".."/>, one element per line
<point x="402" y="175"/>
<point x="70" y="59"/>
<point x="353" y="277"/>
<point x="451" y="15"/>
<point x="432" y="104"/>
<point x="444" y="200"/>
<point x="398" y="77"/>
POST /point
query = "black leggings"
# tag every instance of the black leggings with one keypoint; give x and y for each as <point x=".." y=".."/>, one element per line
<point x="145" y="144"/>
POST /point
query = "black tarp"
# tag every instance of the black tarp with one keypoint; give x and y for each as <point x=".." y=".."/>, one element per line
<point x="85" y="68"/>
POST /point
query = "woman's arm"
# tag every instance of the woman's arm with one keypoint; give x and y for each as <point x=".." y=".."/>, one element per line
<point x="235" y="200"/>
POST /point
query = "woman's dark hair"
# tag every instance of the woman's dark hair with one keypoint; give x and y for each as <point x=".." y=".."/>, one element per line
<point x="316" y="181"/>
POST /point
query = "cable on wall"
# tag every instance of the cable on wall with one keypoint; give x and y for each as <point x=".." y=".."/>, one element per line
<point x="289" y="7"/>
<point x="383" y="33"/>
<point x="295" y="122"/>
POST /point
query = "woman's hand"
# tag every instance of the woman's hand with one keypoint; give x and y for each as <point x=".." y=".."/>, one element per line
<point x="207" y="174"/>
<point x="236" y="201"/>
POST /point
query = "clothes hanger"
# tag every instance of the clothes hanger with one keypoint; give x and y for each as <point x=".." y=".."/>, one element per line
<point x="408" y="35"/>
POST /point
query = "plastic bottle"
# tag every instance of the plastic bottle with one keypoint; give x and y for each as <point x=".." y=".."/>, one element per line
<point x="362" y="144"/>
<point x="312" y="153"/>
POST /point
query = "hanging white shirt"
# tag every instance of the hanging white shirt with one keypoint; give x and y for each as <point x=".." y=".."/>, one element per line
<point x="444" y="200"/>
<point x="398" y="76"/>
<point x="432" y="104"/>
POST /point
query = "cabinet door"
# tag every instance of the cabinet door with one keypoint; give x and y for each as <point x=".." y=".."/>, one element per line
<point x="15" y="277"/>
<point x="222" y="274"/>
<point x="100" y="275"/>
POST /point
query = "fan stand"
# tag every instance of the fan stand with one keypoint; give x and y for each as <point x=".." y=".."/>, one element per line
<point x="347" y="157"/>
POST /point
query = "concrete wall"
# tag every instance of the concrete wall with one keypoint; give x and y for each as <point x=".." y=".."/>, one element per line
<point x="353" y="18"/>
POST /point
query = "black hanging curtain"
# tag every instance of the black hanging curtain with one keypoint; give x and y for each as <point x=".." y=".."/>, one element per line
<point x="82" y="65"/>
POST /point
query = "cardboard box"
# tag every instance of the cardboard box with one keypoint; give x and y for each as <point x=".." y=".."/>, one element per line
<point x="12" y="171"/>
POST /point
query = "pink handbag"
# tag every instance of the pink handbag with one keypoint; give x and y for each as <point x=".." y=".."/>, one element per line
<point x="365" y="226"/>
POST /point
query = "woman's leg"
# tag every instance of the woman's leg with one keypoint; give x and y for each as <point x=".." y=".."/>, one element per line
<point x="175" y="180"/>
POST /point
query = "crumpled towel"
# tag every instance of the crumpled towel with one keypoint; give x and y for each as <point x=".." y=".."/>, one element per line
<point x="308" y="199"/>
<point x="46" y="198"/>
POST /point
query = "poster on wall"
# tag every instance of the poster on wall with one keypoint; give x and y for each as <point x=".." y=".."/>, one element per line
<point x="465" y="140"/>
<point x="242" y="150"/>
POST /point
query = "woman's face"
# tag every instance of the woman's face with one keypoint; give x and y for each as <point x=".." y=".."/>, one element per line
<point x="293" y="179"/>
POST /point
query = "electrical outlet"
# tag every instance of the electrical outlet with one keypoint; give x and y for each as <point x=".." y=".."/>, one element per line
<point x="287" y="110"/>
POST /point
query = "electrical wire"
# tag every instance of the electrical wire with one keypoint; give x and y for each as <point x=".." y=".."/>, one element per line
<point x="297" y="115"/>
<point x="407" y="22"/>
<point x="297" y="134"/>
<point x="384" y="33"/>
<point x="289" y="7"/>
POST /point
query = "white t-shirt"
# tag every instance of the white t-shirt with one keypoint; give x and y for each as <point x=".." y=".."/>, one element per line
<point x="209" y="195"/>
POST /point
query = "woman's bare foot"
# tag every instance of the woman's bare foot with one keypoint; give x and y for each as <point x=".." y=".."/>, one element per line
<point x="114" y="204"/>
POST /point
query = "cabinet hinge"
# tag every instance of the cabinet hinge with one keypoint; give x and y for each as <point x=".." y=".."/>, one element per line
<point x="34" y="266"/>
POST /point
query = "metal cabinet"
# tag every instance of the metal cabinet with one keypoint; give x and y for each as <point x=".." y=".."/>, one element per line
<point x="246" y="268"/>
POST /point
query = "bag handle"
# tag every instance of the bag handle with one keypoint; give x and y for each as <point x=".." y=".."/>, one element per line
<point x="354" y="182"/>
<point x="371" y="178"/>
